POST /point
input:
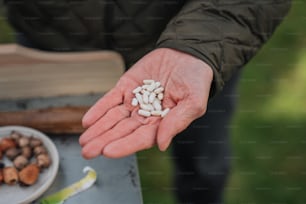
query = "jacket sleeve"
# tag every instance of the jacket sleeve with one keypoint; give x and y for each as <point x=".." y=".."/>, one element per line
<point x="225" y="34"/>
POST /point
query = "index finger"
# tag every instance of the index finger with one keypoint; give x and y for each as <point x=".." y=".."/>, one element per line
<point x="111" y="99"/>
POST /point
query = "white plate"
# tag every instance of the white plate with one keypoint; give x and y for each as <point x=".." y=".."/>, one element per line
<point x="23" y="195"/>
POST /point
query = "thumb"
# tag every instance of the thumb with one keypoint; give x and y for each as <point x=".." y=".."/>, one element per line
<point x="178" y="119"/>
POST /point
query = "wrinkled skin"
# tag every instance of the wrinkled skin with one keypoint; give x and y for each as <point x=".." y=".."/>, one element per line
<point x="114" y="128"/>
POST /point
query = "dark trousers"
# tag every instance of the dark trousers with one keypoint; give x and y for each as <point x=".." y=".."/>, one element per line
<point x="201" y="152"/>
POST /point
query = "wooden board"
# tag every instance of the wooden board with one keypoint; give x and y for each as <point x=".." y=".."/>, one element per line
<point x="51" y="120"/>
<point x="27" y="73"/>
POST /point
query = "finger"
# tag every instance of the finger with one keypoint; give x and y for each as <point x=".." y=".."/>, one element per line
<point x="110" y="119"/>
<point x="142" y="138"/>
<point x="108" y="101"/>
<point x="95" y="147"/>
<point x="178" y="119"/>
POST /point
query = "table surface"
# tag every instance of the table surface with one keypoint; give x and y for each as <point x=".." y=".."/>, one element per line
<point x="117" y="179"/>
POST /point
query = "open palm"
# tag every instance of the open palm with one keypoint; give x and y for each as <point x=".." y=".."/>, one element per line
<point x="114" y="128"/>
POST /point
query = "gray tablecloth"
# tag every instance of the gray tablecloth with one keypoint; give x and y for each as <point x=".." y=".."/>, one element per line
<point x="118" y="179"/>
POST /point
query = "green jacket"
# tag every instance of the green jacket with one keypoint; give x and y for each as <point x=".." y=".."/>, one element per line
<point x="226" y="34"/>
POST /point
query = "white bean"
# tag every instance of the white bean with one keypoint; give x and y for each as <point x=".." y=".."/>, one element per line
<point x="156" y="113"/>
<point x="137" y="90"/>
<point x="139" y="98"/>
<point x="150" y="106"/>
<point x="144" y="87"/>
<point x="144" y="113"/>
<point x="152" y="97"/>
<point x="143" y="91"/>
<point x="147" y="107"/>
<point x="145" y="97"/>
<point x="157" y="105"/>
<point x="159" y="90"/>
<point x="151" y="87"/>
<point x="134" y="102"/>
<point x="160" y="96"/>
<point x="157" y="84"/>
<point x="165" y="112"/>
<point x="148" y="81"/>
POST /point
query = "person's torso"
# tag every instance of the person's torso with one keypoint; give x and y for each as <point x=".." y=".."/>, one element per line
<point x="129" y="27"/>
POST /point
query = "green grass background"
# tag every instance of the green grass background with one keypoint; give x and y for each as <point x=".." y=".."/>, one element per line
<point x="268" y="129"/>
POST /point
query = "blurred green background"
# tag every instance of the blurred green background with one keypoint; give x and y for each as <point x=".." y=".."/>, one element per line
<point x="268" y="130"/>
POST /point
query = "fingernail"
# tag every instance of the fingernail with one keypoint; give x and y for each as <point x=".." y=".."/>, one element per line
<point x="85" y="120"/>
<point x="163" y="146"/>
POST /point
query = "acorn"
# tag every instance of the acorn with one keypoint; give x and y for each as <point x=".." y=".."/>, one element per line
<point x="34" y="142"/>
<point x="7" y="143"/>
<point x="40" y="150"/>
<point x="20" y="162"/>
<point x="10" y="175"/>
<point x="26" y="152"/>
<point x="29" y="175"/>
<point x="12" y="153"/>
<point x="43" y="160"/>
<point x="15" y="135"/>
<point x="1" y="176"/>
<point x="23" y="141"/>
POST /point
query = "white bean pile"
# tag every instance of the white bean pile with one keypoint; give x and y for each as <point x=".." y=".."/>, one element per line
<point x="149" y="98"/>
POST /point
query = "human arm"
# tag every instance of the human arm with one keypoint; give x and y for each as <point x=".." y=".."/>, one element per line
<point x="223" y="36"/>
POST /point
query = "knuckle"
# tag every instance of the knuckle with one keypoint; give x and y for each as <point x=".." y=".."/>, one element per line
<point x="199" y="108"/>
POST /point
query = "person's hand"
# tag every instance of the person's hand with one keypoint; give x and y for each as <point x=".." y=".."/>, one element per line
<point x="114" y="127"/>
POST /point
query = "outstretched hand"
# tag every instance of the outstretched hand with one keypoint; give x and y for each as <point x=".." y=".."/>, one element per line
<point x="114" y="128"/>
